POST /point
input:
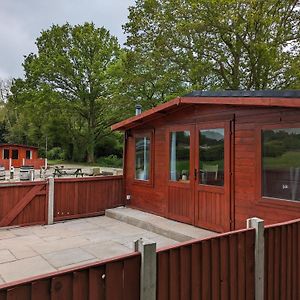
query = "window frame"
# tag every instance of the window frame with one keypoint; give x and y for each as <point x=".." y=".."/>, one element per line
<point x="212" y="127"/>
<point x="265" y="200"/>
<point x="30" y="153"/>
<point x="12" y="152"/>
<point x="150" y="135"/>
<point x="178" y="128"/>
<point x="3" y="153"/>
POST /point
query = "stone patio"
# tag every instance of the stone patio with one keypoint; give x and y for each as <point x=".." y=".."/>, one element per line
<point x="35" y="250"/>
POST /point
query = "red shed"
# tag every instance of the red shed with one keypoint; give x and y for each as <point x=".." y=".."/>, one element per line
<point x="19" y="155"/>
<point x="214" y="159"/>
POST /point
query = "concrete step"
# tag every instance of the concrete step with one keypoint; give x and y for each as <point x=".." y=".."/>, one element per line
<point x="171" y="229"/>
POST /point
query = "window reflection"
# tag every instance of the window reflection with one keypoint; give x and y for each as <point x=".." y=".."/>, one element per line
<point x="142" y="158"/>
<point x="180" y="156"/>
<point x="281" y="163"/>
<point x="211" y="156"/>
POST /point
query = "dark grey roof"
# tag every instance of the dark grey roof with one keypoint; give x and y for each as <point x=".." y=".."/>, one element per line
<point x="235" y="93"/>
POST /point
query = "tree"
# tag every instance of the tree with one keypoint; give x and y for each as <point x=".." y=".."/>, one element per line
<point x="5" y="86"/>
<point x="210" y="44"/>
<point x="79" y="65"/>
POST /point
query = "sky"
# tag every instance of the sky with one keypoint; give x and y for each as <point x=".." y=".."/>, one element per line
<point x="21" y="22"/>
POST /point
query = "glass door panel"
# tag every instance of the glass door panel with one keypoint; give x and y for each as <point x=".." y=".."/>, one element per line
<point x="211" y="156"/>
<point x="180" y="156"/>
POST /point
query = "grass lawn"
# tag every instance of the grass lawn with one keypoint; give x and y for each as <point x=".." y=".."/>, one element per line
<point x="285" y="161"/>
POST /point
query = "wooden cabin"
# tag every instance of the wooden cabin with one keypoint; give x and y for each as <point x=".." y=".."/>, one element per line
<point x="18" y="154"/>
<point x="214" y="159"/>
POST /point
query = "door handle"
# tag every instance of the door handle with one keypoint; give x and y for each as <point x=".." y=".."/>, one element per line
<point x="196" y="174"/>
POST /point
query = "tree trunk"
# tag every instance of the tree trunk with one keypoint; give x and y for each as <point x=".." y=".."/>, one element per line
<point x="91" y="149"/>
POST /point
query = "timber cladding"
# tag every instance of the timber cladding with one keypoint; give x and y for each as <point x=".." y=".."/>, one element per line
<point x="214" y="208"/>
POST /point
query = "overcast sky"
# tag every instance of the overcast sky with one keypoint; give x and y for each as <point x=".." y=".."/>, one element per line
<point x="21" y="22"/>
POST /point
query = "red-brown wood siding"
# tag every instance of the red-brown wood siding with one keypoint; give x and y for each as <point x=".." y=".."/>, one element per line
<point x="244" y="201"/>
<point x="17" y="163"/>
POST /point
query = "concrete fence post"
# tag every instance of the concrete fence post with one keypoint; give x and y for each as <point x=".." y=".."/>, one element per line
<point x="258" y="225"/>
<point x="148" y="269"/>
<point x="50" y="200"/>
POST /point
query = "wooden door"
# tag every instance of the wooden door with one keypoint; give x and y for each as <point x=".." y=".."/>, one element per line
<point x="180" y="161"/>
<point x="212" y="176"/>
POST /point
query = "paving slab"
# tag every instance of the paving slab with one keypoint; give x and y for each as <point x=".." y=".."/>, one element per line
<point x="24" y="268"/>
<point x="6" y="256"/>
<point x="104" y="250"/>
<point x="67" y="257"/>
<point x="171" y="229"/>
<point x="36" y="250"/>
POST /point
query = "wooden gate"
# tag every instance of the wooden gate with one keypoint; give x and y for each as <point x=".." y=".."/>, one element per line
<point x="23" y="203"/>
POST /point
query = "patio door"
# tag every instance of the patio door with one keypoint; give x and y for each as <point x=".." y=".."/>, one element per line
<point x="212" y="176"/>
<point x="180" y="142"/>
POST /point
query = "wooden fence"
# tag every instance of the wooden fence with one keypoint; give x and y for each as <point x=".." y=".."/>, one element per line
<point x="23" y="203"/>
<point x="282" y="261"/>
<point x="113" y="279"/>
<point x="221" y="267"/>
<point x="26" y="203"/>
<point x="82" y="197"/>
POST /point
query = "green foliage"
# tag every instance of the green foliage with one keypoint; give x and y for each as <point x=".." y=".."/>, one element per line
<point x="110" y="161"/>
<point x="56" y="153"/>
<point x="70" y="91"/>
<point x="226" y="44"/>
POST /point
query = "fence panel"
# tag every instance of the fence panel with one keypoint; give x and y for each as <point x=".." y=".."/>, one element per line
<point x="221" y="267"/>
<point x="23" y="203"/>
<point x="81" y="197"/>
<point x="113" y="279"/>
<point x="282" y="260"/>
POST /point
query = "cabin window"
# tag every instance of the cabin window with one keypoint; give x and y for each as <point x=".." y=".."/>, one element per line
<point x="281" y="163"/>
<point x="5" y="153"/>
<point x="180" y="156"/>
<point x="211" y="156"/>
<point x="15" y="154"/>
<point x="28" y="154"/>
<point x="142" y="158"/>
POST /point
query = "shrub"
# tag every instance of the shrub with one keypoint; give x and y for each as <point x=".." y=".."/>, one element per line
<point x="110" y="161"/>
<point x="56" y="153"/>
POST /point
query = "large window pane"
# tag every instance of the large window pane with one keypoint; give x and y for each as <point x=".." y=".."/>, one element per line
<point x="15" y="154"/>
<point x="281" y="163"/>
<point x="5" y="153"/>
<point x="211" y="152"/>
<point x="142" y="158"/>
<point x="180" y="156"/>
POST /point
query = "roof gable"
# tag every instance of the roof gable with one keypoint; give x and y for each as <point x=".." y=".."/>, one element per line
<point x="239" y="98"/>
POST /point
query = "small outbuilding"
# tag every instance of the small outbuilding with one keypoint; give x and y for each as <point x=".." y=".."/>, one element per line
<point x="214" y="159"/>
<point x="19" y="155"/>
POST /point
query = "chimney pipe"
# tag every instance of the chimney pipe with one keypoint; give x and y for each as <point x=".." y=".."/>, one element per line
<point x="138" y="109"/>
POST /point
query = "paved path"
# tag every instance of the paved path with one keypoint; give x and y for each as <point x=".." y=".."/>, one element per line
<point x="35" y="250"/>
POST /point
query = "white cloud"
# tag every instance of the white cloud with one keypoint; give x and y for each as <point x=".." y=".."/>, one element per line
<point x="21" y="22"/>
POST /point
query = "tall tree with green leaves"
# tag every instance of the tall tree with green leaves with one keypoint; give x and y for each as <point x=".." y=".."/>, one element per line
<point x="213" y="44"/>
<point x="79" y="65"/>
